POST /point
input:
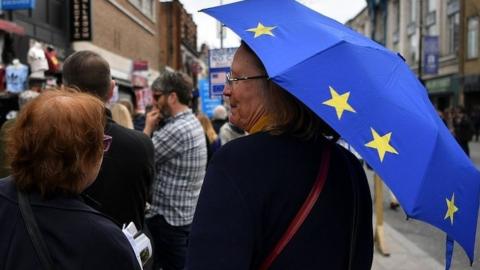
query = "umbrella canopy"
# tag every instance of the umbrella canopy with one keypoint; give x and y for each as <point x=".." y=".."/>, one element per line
<point x="369" y="95"/>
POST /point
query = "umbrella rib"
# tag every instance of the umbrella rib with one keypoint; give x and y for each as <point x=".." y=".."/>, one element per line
<point x="315" y="54"/>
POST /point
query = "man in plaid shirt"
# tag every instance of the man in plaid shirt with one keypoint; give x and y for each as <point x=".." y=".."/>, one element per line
<point x="180" y="163"/>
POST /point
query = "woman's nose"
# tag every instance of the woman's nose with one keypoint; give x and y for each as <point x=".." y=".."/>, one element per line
<point x="227" y="90"/>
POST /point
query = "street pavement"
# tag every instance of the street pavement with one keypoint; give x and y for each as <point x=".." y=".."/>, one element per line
<point x="414" y="245"/>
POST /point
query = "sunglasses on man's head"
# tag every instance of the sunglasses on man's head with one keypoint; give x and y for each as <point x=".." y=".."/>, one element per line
<point x="107" y="141"/>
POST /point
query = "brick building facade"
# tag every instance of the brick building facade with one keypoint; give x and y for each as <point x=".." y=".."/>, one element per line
<point x="178" y="46"/>
<point x="123" y="33"/>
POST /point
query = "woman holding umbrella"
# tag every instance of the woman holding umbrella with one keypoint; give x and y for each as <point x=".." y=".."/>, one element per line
<point x="284" y="197"/>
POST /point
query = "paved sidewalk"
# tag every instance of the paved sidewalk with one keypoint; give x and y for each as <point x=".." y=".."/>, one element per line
<point x="404" y="254"/>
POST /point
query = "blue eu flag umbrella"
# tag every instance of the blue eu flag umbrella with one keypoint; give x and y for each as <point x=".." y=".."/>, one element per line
<point x="369" y="95"/>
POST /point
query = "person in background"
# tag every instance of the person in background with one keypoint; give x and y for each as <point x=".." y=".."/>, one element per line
<point x="255" y="185"/>
<point x="123" y="184"/>
<point x="54" y="157"/>
<point x="219" y="118"/>
<point x="129" y="105"/>
<point x="180" y="162"/>
<point x="23" y="99"/>
<point x="229" y="132"/>
<point x="121" y="115"/>
<point x="213" y="141"/>
<point x="463" y="129"/>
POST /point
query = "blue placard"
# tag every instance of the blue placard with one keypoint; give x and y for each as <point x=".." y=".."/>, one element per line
<point x="208" y="103"/>
<point x="217" y="81"/>
<point x="219" y="61"/>
<point x="17" y="4"/>
<point x="431" y="54"/>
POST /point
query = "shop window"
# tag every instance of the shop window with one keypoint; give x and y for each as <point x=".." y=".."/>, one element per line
<point x="472" y="38"/>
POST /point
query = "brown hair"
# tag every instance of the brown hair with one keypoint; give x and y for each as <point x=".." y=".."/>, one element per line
<point x="288" y="115"/>
<point x="207" y="127"/>
<point x="88" y="72"/>
<point x="175" y="82"/>
<point x="56" y="138"/>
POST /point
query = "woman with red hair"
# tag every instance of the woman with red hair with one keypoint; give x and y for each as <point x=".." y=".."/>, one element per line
<point x="55" y="149"/>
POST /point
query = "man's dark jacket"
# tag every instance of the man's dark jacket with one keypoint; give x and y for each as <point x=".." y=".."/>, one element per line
<point x="123" y="184"/>
<point x="77" y="237"/>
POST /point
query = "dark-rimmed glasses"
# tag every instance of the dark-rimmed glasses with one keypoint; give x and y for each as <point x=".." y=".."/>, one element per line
<point x="107" y="141"/>
<point x="229" y="79"/>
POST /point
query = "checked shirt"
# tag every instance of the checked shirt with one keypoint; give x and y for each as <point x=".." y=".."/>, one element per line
<point x="180" y="163"/>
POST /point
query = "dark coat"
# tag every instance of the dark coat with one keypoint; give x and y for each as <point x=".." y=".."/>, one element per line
<point x="77" y="236"/>
<point x="254" y="187"/>
<point x="217" y="124"/>
<point x="123" y="184"/>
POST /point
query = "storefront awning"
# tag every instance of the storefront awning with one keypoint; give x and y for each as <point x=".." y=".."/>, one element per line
<point x="11" y="27"/>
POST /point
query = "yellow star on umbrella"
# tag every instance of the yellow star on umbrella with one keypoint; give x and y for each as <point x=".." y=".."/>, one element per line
<point x="382" y="144"/>
<point x="262" y="30"/>
<point x="339" y="102"/>
<point x="451" y="208"/>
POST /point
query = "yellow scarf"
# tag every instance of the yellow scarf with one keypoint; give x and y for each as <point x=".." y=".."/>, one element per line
<point x="260" y="124"/>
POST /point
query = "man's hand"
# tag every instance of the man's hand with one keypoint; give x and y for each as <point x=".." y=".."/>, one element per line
<point x="151" y="120"/>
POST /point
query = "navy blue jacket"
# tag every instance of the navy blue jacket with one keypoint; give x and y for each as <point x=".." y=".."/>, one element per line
<point x="254" y="187"/>
<point x="77" y="236"/>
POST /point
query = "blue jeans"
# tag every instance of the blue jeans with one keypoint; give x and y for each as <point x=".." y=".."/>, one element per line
<point x="170" y="243"/>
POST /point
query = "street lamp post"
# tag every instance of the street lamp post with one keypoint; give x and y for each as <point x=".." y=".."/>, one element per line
<point x="420" y="42"/>
<point x="221" y="30"/>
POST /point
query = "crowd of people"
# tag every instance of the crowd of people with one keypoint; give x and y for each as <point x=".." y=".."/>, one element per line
<point x="464" y="125"/>
<point x="77" y="170"/>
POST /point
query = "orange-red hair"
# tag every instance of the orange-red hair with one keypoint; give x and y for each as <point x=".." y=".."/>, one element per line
<point x="56" y="138"/>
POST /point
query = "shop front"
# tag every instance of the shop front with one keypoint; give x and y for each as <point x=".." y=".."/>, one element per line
<point x="471" y="91"/>
<point x="443" y="91"/>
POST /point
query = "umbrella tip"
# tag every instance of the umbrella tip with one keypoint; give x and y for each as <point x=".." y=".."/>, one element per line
<point x="401" y="56"/>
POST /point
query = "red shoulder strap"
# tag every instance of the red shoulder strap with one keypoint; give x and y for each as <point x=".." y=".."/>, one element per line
<point x="304" y="210"/>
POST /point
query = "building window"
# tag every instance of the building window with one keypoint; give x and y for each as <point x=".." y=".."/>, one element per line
<point x="432" y="5"/>
<point x="472" y="38"/>
<point x="413" y="44"/>
<point x="431" y="18"/>
<point x="453" y="22"/>
<point x="147" y="7"/>
<point x="413" y="11"/>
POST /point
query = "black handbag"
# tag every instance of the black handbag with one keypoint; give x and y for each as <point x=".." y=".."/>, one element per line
<point x="34" y="232"/>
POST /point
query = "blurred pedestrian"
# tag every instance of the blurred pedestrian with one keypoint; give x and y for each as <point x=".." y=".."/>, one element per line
<point x="463" y="129"/>
<point x="476" y="121"/>
<point x="229" y="132"/>
<point x="128" y="104"/>
<point x="23" y="98"/>
<point x="121" y="115"/>
<point x="123" y="184"/>
<point x="219" y="118"/>
<point x="255" y="186"/>
<point x="54" y="157"/>
<point x="180" y="162"/>
<point x="213" y="141"/>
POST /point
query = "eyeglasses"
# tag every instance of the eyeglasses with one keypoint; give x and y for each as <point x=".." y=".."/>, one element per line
<point x="229" y="79"/>
<point x="107" y="141"/>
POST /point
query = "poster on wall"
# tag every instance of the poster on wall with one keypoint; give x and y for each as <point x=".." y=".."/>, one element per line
<point x="431" y="53"/>
<point x="143" y="93"/>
